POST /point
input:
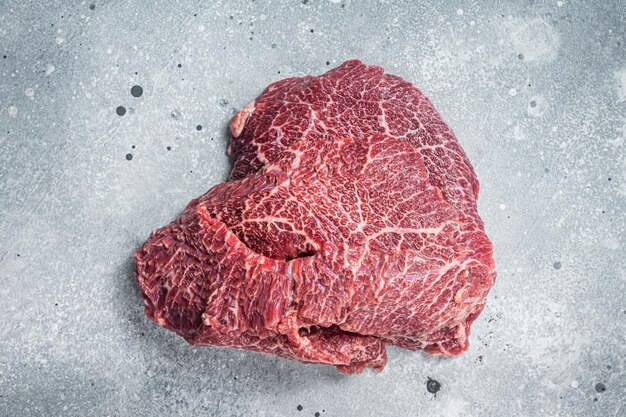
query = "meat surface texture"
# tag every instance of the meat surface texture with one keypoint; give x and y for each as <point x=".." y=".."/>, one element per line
<point x="349" y="223"/>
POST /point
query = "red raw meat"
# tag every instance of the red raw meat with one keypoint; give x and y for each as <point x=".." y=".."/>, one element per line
<point x="349" y="223"/>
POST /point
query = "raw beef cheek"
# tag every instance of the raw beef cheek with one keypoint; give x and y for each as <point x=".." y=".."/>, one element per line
<point x="349" y="223"/>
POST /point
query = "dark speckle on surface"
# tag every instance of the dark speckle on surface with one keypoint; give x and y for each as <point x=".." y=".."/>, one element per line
<point x="92" y="6"/>
<point x="312" y="30"/>
<point x="433" y="386"/>
<point x="223" y="102"/>
<point x="136" y="91"/>
<point x="520" y="57"/>
<point x="129" y="156"/>
<point x="317" y="414"/>
<point x="533" y="103"/>
<point x="273" y="46"/>
<point x="299" y="407"/>
<point x="180" y="65"/>
<point x="199" y="127"/>
<point x="600" y="387"/>
<point x="169" y="148"/>
<point x="121" y="110"/>
<point x="557" y="265"/>
<point x="133" y="147"/>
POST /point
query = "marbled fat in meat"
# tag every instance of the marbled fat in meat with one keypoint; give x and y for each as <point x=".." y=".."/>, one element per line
<point x="348" y="224"/>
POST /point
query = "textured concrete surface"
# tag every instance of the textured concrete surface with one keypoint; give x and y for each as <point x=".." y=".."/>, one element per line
<point x="535" y="91"/>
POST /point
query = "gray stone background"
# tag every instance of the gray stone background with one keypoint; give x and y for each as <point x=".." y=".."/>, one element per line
<point x="535" y="91"/>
